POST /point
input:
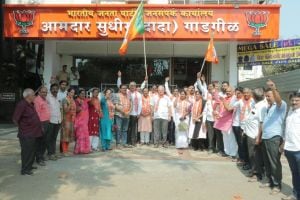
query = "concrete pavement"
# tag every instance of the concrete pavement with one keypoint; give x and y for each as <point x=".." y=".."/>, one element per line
<point x="130" y="174"/>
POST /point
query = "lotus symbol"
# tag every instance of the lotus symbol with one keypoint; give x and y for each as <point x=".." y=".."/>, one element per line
<point x="257" y="19"/>
<point x="24" y="18"/>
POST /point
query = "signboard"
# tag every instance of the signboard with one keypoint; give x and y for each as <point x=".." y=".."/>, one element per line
<point x="7" y="96"/>
<point x="171" y="22"/>
<point x="270" y="53"/>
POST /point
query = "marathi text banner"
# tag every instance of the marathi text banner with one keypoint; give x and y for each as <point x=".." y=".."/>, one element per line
<point x="161" y="22"/>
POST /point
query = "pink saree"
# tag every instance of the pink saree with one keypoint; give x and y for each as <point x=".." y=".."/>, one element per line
<point x="82" y="144"/>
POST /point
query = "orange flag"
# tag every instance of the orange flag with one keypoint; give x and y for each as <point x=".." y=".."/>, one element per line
<point x="136" y="27"/>
<point x="211" y="54"/>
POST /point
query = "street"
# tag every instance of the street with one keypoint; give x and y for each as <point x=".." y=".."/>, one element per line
<point x="129" y="174"/>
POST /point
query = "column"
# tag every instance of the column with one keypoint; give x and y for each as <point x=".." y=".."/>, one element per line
<point x="231" y="63"/>
<point x="51" y="61"/>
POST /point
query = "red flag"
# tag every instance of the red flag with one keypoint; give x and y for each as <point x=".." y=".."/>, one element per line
<point x="211" y="54"/>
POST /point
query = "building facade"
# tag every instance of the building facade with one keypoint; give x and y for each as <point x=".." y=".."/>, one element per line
<point x="88" y="33"/>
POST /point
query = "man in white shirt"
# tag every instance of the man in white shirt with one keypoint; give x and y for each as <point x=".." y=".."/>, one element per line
<point x="252" y="128"/>
<point x="201" y="85"/>
<point x="161" y="106"/>
<point x="136" y="108"/>
<point x="55" y="121"/>
<point x="292" y="144"/>
<point x="62" y="92"/>
<point x="208" y="119"/>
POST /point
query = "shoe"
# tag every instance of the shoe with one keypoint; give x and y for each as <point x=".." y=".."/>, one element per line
<point x="253" y="179"/>
<point x="41" y="163"/>
<point x="275" y="190"/>
<point x="45" y="158"/>
<point x="58" y="156"/>
<point x="29" y="173"/>
<point x="66" y="155"/>
<point x="246" y="167"/>
<point x="265" y="185"/>
<point x="52" y="157"/>
<point x="291" y="197"/>
<point x="33" y="167"/>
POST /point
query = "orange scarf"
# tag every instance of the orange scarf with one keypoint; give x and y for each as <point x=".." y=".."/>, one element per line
<point x="197" y="109"/>
<point x="182" y="107"/>
<point x="125" y="103"/>
<point x="146" y="109"/>
<point x="245" y="109"/>
<point x="111" y="109"/>
<point x="157" y="103"/>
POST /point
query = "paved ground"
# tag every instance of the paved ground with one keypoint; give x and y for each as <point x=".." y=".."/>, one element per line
<point x="132" y="174"/>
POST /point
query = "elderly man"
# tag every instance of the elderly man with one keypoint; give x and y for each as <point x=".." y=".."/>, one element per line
<point x="30" y="128"/>
<point x="292" y="143"/>
<point x="161" y="106"/>
<point x="43" y="111"/>
<point x="136" y="105"/>
<point x="251" y="128"/>
<point x="272" y="130"/>
<point x="55" y="121"/>
<point x="136" y="108"/>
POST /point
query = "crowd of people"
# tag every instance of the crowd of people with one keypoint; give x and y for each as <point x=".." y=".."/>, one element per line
<point x="252" y="127"/>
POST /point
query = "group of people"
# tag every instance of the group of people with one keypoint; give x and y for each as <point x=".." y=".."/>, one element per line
<point x="252" y="127"/>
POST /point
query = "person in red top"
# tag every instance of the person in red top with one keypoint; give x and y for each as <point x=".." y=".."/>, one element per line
<point x="42" y="108"/>
<point x="29" y="128"/>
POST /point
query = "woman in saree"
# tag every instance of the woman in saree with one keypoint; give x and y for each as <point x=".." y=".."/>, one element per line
<point x="106" y="121"/>
<point x="181" y="119"/>
<point x="82" y="145"/>
<point x="94" y="117"/>
<point x="68" y="119"/>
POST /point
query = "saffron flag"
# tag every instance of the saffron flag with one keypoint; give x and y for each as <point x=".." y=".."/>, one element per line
<point x="136" y="26"/>
<point x="211" y="54"/>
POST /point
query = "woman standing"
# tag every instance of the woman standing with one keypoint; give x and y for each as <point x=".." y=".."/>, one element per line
<point x="69" y="113"/>
<point x="94" y="117"/>
<point x="181" y="119"/>
<point x="145" y="120"/>
<point x="197" y="134"/>
<point x="82" y="144"/>
<point x="106" y="120"/>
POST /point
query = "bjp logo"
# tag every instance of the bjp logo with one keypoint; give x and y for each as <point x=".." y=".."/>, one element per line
<point x="23" y="19"/>
<point x="257" y="19"/>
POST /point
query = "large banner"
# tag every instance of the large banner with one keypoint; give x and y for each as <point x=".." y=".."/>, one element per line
<point x="171" y="22"/>
<point x="270" y="53"/>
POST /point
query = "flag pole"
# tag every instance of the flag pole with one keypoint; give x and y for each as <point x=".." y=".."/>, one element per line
<point x="145" y="57"/>
<point x="202" y="65"/>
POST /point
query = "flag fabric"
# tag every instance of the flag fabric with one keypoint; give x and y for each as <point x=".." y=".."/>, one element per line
<point x="211" y="54"/>
<point x="136" y="26"/>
